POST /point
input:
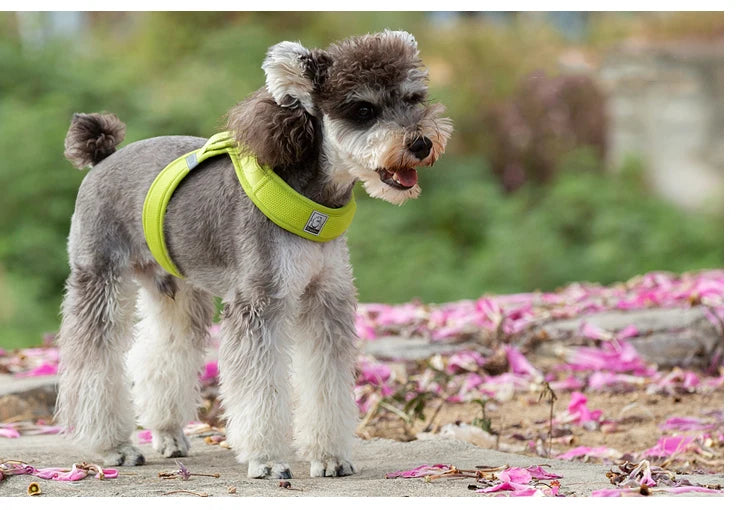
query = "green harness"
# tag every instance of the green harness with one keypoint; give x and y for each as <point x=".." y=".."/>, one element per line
<point x="274" y="197"/>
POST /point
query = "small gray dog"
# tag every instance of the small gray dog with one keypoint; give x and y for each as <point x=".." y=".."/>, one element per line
<point x="325" y="119"/>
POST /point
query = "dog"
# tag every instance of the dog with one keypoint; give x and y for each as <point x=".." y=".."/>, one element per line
<point x="325" y="119"/>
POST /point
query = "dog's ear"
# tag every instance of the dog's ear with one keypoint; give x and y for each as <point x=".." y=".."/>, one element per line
<point x="279" y="137"/>
<point x="404" y="36"/>
<point x="293" y="73"/>
<point x="277" y="124"/>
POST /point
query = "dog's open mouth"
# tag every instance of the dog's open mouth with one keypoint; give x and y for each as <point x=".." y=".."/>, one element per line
<point x="403" y="178"/>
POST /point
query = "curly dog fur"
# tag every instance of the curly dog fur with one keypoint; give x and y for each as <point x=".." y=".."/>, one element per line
<point x="325" y="119"/>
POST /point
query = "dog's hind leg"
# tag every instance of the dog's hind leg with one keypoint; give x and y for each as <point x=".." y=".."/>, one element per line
<point x="324" y="361"/>
<point x="93" y="402"/>
<point x="167" y="357"/>
<point x="254" y="370"/>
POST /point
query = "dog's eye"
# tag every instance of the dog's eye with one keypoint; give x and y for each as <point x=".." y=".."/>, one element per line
<point x="416" y="97"/>
<point x="364" y="111"/>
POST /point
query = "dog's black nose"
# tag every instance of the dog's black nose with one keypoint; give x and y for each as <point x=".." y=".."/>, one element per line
<point x="421" y="147"/>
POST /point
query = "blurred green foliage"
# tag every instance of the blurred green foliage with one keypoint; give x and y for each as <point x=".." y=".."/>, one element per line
<point x="464" y="237"/>
<point x="178" y="73"/>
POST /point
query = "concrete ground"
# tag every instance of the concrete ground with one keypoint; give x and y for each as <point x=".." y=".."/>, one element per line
<point x="373" y="459"/>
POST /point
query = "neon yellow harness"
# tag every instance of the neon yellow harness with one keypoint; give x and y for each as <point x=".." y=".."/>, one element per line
<point x="274" y="197"/>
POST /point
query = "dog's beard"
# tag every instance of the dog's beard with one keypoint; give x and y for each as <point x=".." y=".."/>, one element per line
<point x="378" y="189"/>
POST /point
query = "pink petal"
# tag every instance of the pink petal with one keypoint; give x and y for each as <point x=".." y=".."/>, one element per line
<point x="420" y="471"/>
<point x="43" y="369"/>
<point x="504" y="486"/>
<point x="603" y="380"/>
<point x="469" y="361"/>
<point x="472" y="381"/>
<point x="518" y="362"/>
<point x="210" y="371"/>
<point x="690" y="488"/>
<point x="552" y="491"/>
<point x="145" y="437"/>
<point x="690" y="381"/>
<point x="601" y="452"/>
<point x="491" y="312"/>
<point x="9" y="433"/>
<point x="386" y="390"/>
<point x="452" y="331"/>
<point x="627" y="332"/>
<point x="20" y="469"/>
<point x="540" y="474"/>
<point x="579" y="412"/>
<point x="495" y="385"/>
<point x="72" y="476"/>
<point x="61" y="474"/>
<point x="589" y="330"/>
<point x="37" y="430"/>
<point x="715" y="382"/>
<point x="611" y="356"/>
<point x="365" y="330"/>
<point x="515" y="475"/>
<point x="610" y="493"/>
<point x="373" y="373"/>
<point x="646" y="479"/>
<point x="366" y="402"/>
<point x="48" y="473"/>
<point x="670" y="445"/>
<point x="685" y="423"/>
<point x="577" y="400"/>
<point x="524" y="492"/>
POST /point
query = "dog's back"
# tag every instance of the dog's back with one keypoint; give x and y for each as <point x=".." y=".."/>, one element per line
<point x="107" y="220"/>
<point x="209" y="224"/>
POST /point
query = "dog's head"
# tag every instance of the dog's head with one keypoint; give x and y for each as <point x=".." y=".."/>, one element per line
<point x="363" y="102"/>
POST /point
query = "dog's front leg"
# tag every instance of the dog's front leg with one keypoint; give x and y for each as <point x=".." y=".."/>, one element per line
<point x="324" y="373"/>
<point x="254" y="367"/>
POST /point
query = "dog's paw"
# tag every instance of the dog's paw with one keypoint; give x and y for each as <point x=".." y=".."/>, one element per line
<point x="123" y="455"/>
<point x="170" y="444"/>
<point x="268" y="470"/>
<point x="333" y="467"/>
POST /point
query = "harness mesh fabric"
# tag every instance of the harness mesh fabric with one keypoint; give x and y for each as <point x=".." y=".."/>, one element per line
<point x="274" y="197"/>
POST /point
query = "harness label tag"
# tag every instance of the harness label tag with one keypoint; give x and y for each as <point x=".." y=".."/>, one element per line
<point x="192" y="161"/>
<point x="315" y="223"/>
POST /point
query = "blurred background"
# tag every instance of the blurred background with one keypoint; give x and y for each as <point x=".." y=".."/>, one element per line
<point x="587" y="146"/>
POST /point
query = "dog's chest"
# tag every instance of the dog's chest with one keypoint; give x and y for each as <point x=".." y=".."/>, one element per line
<point x="298" y="263"/>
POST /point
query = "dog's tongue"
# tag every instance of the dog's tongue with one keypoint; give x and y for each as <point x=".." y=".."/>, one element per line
<point x="407" y="176"/>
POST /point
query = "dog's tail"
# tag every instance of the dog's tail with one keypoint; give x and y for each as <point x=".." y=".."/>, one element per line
<point x="92" y="137"/>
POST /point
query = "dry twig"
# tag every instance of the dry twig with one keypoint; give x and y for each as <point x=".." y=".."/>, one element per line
<point x="549" y="394"/>
<point x="201" y="494"/>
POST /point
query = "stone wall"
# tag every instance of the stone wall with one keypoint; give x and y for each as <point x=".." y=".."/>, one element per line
<point x="666" y="107"/>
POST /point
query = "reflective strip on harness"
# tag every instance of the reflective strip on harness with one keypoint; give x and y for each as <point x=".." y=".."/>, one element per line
<point x="274" y="197"/>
